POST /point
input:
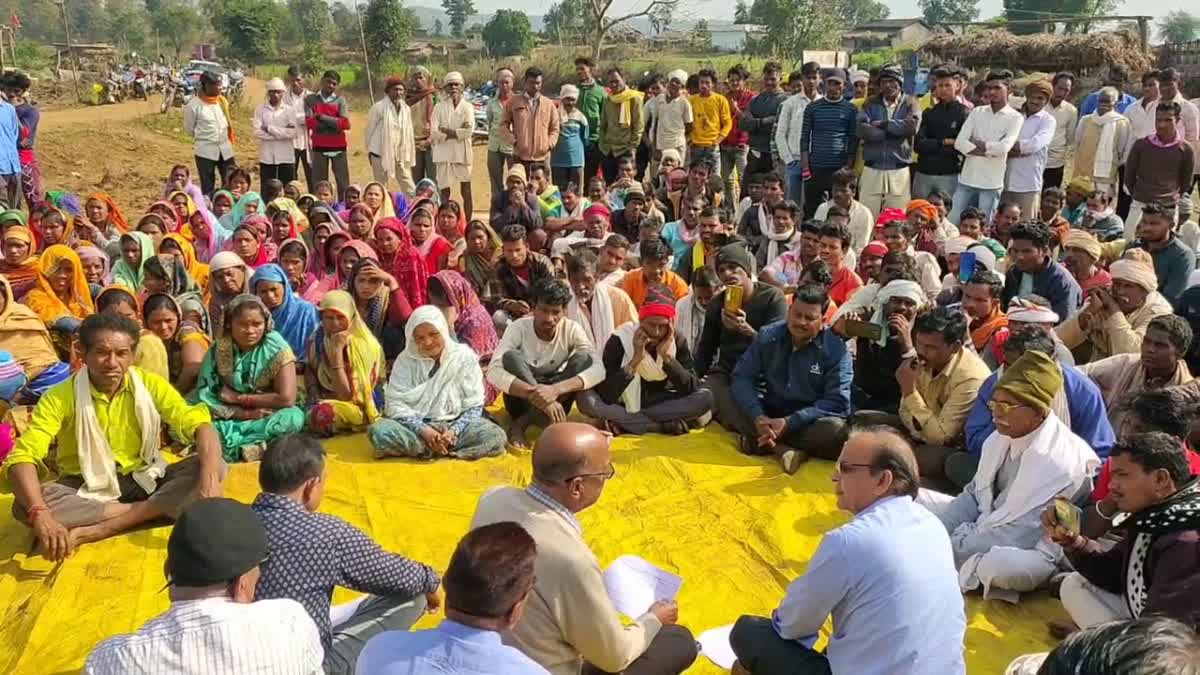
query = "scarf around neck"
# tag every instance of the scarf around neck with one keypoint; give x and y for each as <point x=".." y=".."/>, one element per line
<point x="1180" y="511"/>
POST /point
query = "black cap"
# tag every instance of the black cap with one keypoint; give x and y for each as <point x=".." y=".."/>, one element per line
<point x="214" y="541"/>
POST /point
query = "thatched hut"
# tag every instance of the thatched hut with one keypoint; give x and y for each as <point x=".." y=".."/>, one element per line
<point x="1079" y="53"/>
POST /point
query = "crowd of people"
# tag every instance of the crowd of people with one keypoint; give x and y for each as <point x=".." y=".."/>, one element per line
<point x="996" y="353"/>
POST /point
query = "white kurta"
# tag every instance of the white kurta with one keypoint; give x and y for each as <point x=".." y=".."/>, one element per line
<point x="390" y="135"/>
<point x="452" y="154"/>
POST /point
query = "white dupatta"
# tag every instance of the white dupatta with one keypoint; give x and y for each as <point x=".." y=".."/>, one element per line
<point x="598" y="323"/>
<point x="446" y="394"/>
<point x="648" y="369"/>
<point x="96" y="462"/>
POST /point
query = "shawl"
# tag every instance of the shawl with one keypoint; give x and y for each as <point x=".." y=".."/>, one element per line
<point x="171" y="269"/>
<point x="231" y="220"/>
<point x="22" y="274"/>
<point x="1106" y="146"/>
<point x="246" y="372"/>
<point x="217" y="300"/>
<point x="333" y="277"/>
<point x="125" y="274"/>
<point x="294" y="319"/>
<point x="12" y="216"/>
<point x="411" y="270"/>
<point x="292" y="233"/>
<point x="233" y="200"/>
<point x="188" y="303"/>
<point x="115" y="217"/>
<point x="897" y="288"/>
<point x="387" y="209"/>
<point x="334" y="224"/>
<point x="299" y="220"/>
<point x="67" y="201"/>
<point x="24" y="335"/>
<point x="46" y="303"/>
<point x="473" y="326"/>
<point x="599" y="322"/>
<point x="430" y="186"/>
<point x="96" y="463"/>
<point x="982" y="333"/>
<point x="167" y="210"/>
<point x="189" y="188"/>
<point x="649" y="368"/>
<point x="198" y="270"/>
<point x="625" y="100"/>
<point x="480" y="268"/>
<point x="349" y="216"/>
<point x="87" y="251"/>
<point x="1180" y="511"/>
<point x="365" y="356"/>
<point x="432" y="250"/>
<point x="191" y="203"/>
<point x="376" y="312"/>
<point x="262" y="256"/>
<point x="68" y="236"/>
<point x="438" y="391"/>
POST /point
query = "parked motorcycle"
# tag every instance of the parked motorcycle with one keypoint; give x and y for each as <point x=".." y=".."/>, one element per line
<point x="177" y="92"/>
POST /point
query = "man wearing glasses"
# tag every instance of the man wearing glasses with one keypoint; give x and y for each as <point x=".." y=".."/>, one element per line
<point x="887" y="578"/>
<point x="569" y="621"/>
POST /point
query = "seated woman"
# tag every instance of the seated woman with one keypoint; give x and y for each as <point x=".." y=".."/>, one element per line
<point x="351" y="199"/>
<point x="184" y="205"/>
<point x="360" y="223"/>
<point x="433" y="401"/>
<point x="283" y="227"/>
<point x="330" y="273"/>
<point x="248" y="205"/>
<point x="24" y="336"/>
<point x="398" y="255"/>
<point x="230" y="278"/>
<point x="95" y="266"/>
<point x="293" y="258"/>
<point x="382" y="304"/>
<point x="55" y="227"/>
<point x="61" y="299"/>
<point x="376" y="197"/>
<point x="150" y="353"/>
<point x="430" y="244"/>
<point x="325" y="194"/>
<point x="104" y="221"/>
<point x="205" y="234"/>
<point x="177" y="245"/>
<point x="248" y="381"/>
<point x="295" y="319"/>
<point x="182" y="325"/>
<point x="478" y="262"/>
<point x="222" y="204"/>
<point x="156" y="226"/>
<point x="20" y="262"/>
<point x="239" y="181"/>
<point x="349" y="366"/>
<point x="261" y="227"/>
<point x="649" y="385"/>
<point x="135" y="249"/>
<point x="166" y="274"/>
<point x="450" y="292"/>
<point x="452" y="226"/>
<point x="246" y="244"/>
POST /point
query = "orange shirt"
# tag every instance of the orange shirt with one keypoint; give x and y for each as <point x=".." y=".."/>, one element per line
<point x="634" y="284"/>
<point x="845" y="284"/>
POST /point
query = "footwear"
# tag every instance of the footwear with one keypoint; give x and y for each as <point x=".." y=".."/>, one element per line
<point x="791" y="460"/>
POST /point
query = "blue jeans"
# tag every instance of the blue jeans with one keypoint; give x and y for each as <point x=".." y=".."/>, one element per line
<point x="924" y="183"/>
<point x="984" y="200"/>
<point x="794" y="182"/>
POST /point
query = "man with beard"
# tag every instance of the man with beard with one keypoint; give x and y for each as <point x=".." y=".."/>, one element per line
<point x="1027" y="158"/>
<point x="598" y="308"/>
<point x="1114" y="321"/>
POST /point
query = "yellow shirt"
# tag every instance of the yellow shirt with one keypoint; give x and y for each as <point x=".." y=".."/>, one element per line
<point x="712" y="119"/>
<point x="937" y="409"/>
<point x="54" y="420"/>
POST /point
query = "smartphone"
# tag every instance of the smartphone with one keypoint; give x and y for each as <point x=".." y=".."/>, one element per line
<point x="1070" y="517"/>
<point x="966" y="267"/>
<point x="733" y="298"/>
<point x="863" y="329"/>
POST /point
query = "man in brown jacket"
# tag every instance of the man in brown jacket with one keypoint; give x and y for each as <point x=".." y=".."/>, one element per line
<point x="531" y="122"/>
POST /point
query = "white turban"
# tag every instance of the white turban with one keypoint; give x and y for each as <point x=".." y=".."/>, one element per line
<point x="898" y="288"/>
<point x="958" y="245"/>
<point x="276" y="84"/>
<point x="1026" y="311"/>
<point x="1135" y="272"/>
<point x="452" y="77"/>
<point x="569" y="91"/>
<point x="677" y="74"/>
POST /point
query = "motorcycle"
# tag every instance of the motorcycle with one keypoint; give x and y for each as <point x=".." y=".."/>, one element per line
<point x="479" y="101"/>
<point x="177" y="93"/>
<point x="236" y="87"/>
<point x="138" y="86"/>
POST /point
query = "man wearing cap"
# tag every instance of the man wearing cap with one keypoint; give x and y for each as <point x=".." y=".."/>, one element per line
<point x="593" y="235"/>
<point x="531" y="122"/>
<point x="672" y="120"/>
<point x="788" y="130"/>
<point x="1114" y="322"/>
<point x="985" y="140"/>
<point x="391" y="149"/>
<point x="206" y="120"/>
<point x="1081" y="256"/>
<point x="518" y="205"/>
<point x="106" y="421"/>
<point x="214" y="624"/>
<point x="828" y="141"/>
<point x="649" y="385"/>
<point x="450" y="131"/>
<point x="887" y="125"/>
<point x="420" y="100"/>
<point x="1027" y="158"/>
<point x="569" y="156"/>
<point x="759" y="120"/>
<point x="275" y="127"/>
<point x="327" y="115"/>
<point x="1029" y="460"/>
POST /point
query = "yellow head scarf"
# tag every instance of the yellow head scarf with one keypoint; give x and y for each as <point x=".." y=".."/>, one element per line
<point x="43" y="300"/>
<point x="196" y="269"/>
<point x="366" y="356"/>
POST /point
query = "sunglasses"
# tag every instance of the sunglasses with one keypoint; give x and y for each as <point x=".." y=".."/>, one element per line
<point x="1005" y="408"/>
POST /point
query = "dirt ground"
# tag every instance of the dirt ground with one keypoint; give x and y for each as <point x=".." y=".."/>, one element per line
<point x="127" y="150"/>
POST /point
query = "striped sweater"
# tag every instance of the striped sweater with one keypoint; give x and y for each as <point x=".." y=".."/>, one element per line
<point x="830" y="135"/>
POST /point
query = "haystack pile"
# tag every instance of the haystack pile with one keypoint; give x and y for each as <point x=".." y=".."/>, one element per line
<point x="1041" y="51"/>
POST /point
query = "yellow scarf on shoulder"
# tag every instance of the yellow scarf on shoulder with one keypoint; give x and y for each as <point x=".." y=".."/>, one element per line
<point x="224" y="103"/>
<point x="625" y="99"/>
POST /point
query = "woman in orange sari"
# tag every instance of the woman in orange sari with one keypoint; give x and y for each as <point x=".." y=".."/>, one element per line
<point x="104" y="223"/>
<point x="177" y="245"/>
<point x="20" y="263"/>
<point x="61" y="298"/>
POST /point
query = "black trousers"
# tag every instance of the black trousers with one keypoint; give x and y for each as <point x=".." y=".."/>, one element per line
<point x="1124" y="200"/>
<point x="303" y="163"/>
<point x="671" y="652"/>
<point x="591" y="163"/>
<point x="762" y="164"/>
<point x="566" y="175"/>
<point x="518" y="366"/>
<point x="761" y="651"/>
<point x="285" y="173"/>
<point x="341" y="170"/>
<point x="1053" y="177"/>
<point x="610" y="163"/>
<point x="816" y="188"/>
<point x="208" y="169"/>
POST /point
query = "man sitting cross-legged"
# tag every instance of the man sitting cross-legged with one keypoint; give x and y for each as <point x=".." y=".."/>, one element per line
<point x="808" y="371"/>
<point x="542" y="361"/>
<point x="597" y="308"/>
<point x="106" y="421"/>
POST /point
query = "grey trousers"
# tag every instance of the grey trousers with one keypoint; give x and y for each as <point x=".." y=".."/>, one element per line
<point x="648" y="420"/>
<point x="725" y="408"/>
<point x="761" y="651"/>
<point x="498" y="163"/>
<point x="481" y="438"/>
<point x="671" y="652"/>
<point x="375" y="615"/>
<point x="176" y="489"/>
<point x="423" y="167"/>
<point x="515" y="362"/>
<point x="923" y="184"/>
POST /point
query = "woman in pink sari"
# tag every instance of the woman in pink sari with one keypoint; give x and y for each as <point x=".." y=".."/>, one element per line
<point x="400" y="257"/>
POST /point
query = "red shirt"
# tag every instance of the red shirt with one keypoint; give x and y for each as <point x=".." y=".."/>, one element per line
<point x="737" y="105"/>
<point x="845" y="284"/>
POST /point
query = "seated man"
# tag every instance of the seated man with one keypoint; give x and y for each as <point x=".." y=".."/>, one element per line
<point x="1115" y="321"/>
<point x="655" y="260"/>
<point x="989" y="325"/>
<point x="691" y="308"/>
<point x="214" y="624"/>
<point x="312" y="553"/>
<point x="1081" y="256"/>
<point x="611" y="266"/>
<point x="700" y="170"/>
<point x="1029" y="256"/>
<point x="807" y="372"/>
<point x="1033" y="310"/>
<point x="542" y="361"/>
<point x="681" y="234"/>
<point x="106" y="422"/>
<point x="881" y="347"/>
<point x="636" y="211"/>
<point x="730" y="325"/>
<point x="1030" y="460"/>
<point x="518" y="270"/>
<point x="550" y="201"/>
<point x="702" y="253"/>
<point x="570" y="625"/>
<point x="1158" y="364"/>
<point x="861" y="220"/>
<point x="1173" y="259"/>
<point x="834" y="245"/>
<point x="898" y="236"/>
<point x="756" y="223"/>
<point x="597" y="308"/>
<point x="518" y="205"/>
<point x="591" y="236"/>
<point x="1079" y="405"/>
<point x="1153" y="569"/>
<point x="887" y="577"/>
<point x="648" y="386"/>
<point x="1150" y="646"/>
<point x="785" y="270"/>
<point x="488" y="585"/>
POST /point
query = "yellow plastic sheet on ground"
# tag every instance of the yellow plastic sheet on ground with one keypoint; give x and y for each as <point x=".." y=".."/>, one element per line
<point x="735" y="528"/>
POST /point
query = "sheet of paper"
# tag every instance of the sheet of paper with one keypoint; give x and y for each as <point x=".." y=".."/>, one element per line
<point x="714" y="644"/>
<point x="339" y="614"/>
<point x="634" y="584"/>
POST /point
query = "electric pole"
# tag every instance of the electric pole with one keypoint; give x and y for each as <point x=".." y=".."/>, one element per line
<point x="366" y="59"/>
<point x="70" y="50"/>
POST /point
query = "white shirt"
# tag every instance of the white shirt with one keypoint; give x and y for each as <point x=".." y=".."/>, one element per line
<point x="275" y="145"/>
<point x="217" y="636"/>
<point x="1066" y="116"/>
<point x="569" y="339"/>
<point x="207" y="124"/>
<point x="671" y="118"/>
<point x="999" y="131"/>
<point x="1025" y="172"/>
<point x="296" y="103"/>
<point x="790" y="125"/>
<point x="1141" y="120"/>
<point x="460" y="118"/>
<point x="862" y="223"/>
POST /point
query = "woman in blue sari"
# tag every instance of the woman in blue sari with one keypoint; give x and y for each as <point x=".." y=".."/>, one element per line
<point x="295" y="319"/>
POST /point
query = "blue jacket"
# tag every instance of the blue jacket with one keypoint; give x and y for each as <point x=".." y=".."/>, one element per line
<point x="1089" y="419"/>
<point x="891" y="147"/>
<point x="802" y="386"/>
<point x="1092" y="101"/>
<point x="1053" y="283"/>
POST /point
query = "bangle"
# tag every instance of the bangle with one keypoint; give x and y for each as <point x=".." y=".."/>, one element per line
<point x="34" y="511"/>
<point x="1101" y="513"/>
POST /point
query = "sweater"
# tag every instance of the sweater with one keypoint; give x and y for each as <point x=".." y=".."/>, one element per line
<point x="573" y="136"/>
<point x="327" y="137"/>
<point x="533" y="128"/>
<point x="830" y="134"/>
<point x="1173" y="265"/>
<point x="1156" y="174"/>
<point x="712" y="120"/>
<point x="759" y="119"/>
<point x="619" y="137"/>
<point x="890" y="147"/>
<point x="1053" y="283"/>
<point x="765" y="306"/>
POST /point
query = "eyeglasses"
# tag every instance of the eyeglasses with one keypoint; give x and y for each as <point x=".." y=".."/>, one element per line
<point x="1005" y="408"/>
<point x="851" y="467"/>
<point x="607" y="474"/>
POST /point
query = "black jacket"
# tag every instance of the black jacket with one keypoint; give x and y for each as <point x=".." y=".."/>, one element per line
<point x="941" y="121"/>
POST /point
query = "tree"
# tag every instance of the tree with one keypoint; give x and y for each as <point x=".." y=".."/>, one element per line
<point x="940" y="11"/>
<point x="458" y="11"/>
<point x="566" y="22"/>
<point x="1079" y="11"/>
<point x="127" y="25"/>
<point x="795" y="25"/>
<point x="741" y="12"/>
<point x="1179" y="26"/>
<point x="508" y="33"/>
<point x="249" y="27"/>
<point x="345" y="24"/>
<point x="387" y="26"/>
<point x="701" y="37"/>
<point x="177" y="23"/>
<point x="601" y="22"/>
<point x="313" y="23"/>
<point x="438" y="28"/>
<point x="855" y="12"/>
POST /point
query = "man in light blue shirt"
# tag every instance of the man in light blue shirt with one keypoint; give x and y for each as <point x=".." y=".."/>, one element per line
<point x="497" y="557"/>
<point x="10" y="161"/>
<point x="887" y="577"/>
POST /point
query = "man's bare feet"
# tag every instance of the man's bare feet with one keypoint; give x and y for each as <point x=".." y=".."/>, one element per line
<point x="516" y="435"/>
<point x="1059" y="630"/>
<point x="88" y="534"/>
<point x="790" y="458"/>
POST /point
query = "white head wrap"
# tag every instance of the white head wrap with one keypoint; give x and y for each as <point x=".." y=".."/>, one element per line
<point x="898" y="288"/>
<point x="569" y="91"/>
<point x="958" y="245"/>
<point x="1135" y="272"/>
<point x="677" y="74"/>
<point x="452" y="77"/>
<point x="1025" y="311"/>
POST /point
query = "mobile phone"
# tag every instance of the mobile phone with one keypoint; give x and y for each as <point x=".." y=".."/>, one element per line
<point x="733" y="298"/>
<point x="863" y="329"/>
<point x="1069" y="516"/>
<point x="966" y="267"/>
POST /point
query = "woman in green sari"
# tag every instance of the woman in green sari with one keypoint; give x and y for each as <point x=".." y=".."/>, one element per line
<point x="248" y="380"/>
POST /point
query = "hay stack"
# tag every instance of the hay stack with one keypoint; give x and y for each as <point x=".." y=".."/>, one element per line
<point x="1041" y="51"/>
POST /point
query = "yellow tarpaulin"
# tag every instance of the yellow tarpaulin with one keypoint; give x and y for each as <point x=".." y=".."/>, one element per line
<point x="735" y="528"/>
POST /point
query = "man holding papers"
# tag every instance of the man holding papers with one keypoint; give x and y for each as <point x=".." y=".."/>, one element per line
<point x="887" y="577"/>
<point x="570" y="625"/>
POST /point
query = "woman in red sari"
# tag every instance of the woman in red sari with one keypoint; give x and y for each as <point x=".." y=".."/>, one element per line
<point x="400" y="257"/>
<point x="433" y="247"/>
